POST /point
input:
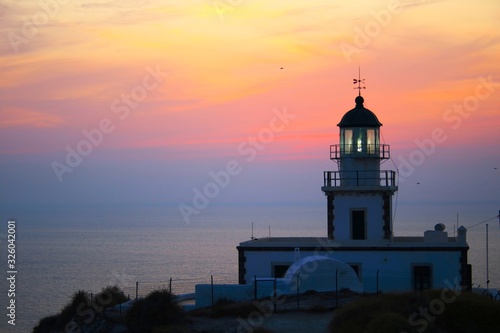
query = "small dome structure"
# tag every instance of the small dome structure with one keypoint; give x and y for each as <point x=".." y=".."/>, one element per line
<point x="319" y="273"/>
<point x="439" y="227"/>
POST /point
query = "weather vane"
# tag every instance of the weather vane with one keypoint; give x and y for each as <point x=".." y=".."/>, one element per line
<point x="359" y="81"/>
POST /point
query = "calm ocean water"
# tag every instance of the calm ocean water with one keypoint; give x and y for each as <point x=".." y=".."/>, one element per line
<point x="62" y="250"/>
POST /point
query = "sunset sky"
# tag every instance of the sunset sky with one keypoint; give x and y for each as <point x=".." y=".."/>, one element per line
<point x="172" y="91"/>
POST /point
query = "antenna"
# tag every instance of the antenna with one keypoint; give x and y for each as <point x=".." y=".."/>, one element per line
<point x="252" y="237"/>
<point x="487" y="263"/>
<point x="359" y="81"/>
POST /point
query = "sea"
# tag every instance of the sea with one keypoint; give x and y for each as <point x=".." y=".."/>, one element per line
<point x="140" y="248"/>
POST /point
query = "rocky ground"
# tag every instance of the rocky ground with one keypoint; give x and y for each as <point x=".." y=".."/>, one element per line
<point x="316" y="312"/>
<point x="287" y="322"/>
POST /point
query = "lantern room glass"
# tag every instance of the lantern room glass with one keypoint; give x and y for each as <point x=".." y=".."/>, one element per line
<point x="359" y="141"/>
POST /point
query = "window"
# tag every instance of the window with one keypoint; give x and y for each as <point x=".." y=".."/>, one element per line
<point x="371" y="141"/>
<point x="279" y="270"/>
<point x="359" y="141"/>
<point x="422" y="277"/>
<point x="357" y="269"/>
<point x="346" y="141"/>
<point x="358" y="224"/>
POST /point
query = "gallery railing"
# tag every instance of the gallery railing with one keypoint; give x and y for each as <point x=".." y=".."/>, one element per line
<point x="339" y="151"/>
<point x="360" y="178"/>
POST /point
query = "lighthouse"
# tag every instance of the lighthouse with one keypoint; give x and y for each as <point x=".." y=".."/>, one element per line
<point x="360" y="245"/>
<point x="359" y="195"/>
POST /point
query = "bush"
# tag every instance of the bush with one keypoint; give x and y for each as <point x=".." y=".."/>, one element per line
<point x="79" y="299"/>
<point x="470" y="313"/>
<point x="157" y="309"/>
<point x="262" y="330"/>
<point x="68" y="312"/>
<point x="354" y="316"/>
<point x="171" y="329"/>
<point x="388" y="322"/>
<point x="108" y="297"/>
<point x="81" y="309"/>
<point x="370" y="314"/>
<point x="46" y="325"/>
<point x="467" y="313"/>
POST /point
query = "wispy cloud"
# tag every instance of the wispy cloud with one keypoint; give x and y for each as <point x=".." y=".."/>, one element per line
<point x="92" y="51"/>
<point x="16" y="117"/>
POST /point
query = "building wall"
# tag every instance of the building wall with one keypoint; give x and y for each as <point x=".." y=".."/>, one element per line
<point x="360" y="171"/>
<point x="371" y="202"/>
<point x="394" y="267"/>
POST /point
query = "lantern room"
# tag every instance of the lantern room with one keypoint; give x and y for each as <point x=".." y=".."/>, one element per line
<point x="359" y="133"/>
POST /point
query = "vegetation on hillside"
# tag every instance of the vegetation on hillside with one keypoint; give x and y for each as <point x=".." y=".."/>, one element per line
<point x="81" y="309"/>
<point x="434" y="311"/>
<point x="158" y="311"/>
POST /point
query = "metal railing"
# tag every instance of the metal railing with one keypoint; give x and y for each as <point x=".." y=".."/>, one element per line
<point x="360" y="178"/>
<point x="362" y="151"/>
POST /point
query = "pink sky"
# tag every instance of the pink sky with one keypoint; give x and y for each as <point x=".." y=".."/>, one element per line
<point x="222" y="67"/>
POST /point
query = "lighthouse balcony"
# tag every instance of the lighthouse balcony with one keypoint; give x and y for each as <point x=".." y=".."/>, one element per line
<point x="355" y="179"/>
<point x="360" y="150"/>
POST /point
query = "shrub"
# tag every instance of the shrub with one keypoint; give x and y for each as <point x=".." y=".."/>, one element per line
<point x="371" y="312"/>
<point x="157" y="309"/>
<point x="46" y="325"/>
<point x="171" y="329"/>
<point x="108" y="297"/>
<point x="354" y="316"/>
<point x="68" y="312"/>
<point x="81" y="309"/>
<point x="388" y="322"/>
<point x="468" y="313"/>
<point x="262" y="330"/>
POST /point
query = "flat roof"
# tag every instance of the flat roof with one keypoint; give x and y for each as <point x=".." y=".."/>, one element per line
<point x="395" y="242"/>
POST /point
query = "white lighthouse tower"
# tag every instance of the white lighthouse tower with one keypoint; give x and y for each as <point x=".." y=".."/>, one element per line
<point x="359" y="194"/>
<point x="360" y="245"/>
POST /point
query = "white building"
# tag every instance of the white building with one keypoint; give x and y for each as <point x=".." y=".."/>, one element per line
<point x="360" y="251"/>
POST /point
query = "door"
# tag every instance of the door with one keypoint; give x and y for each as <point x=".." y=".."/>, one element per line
<point x="358" y="224"/>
